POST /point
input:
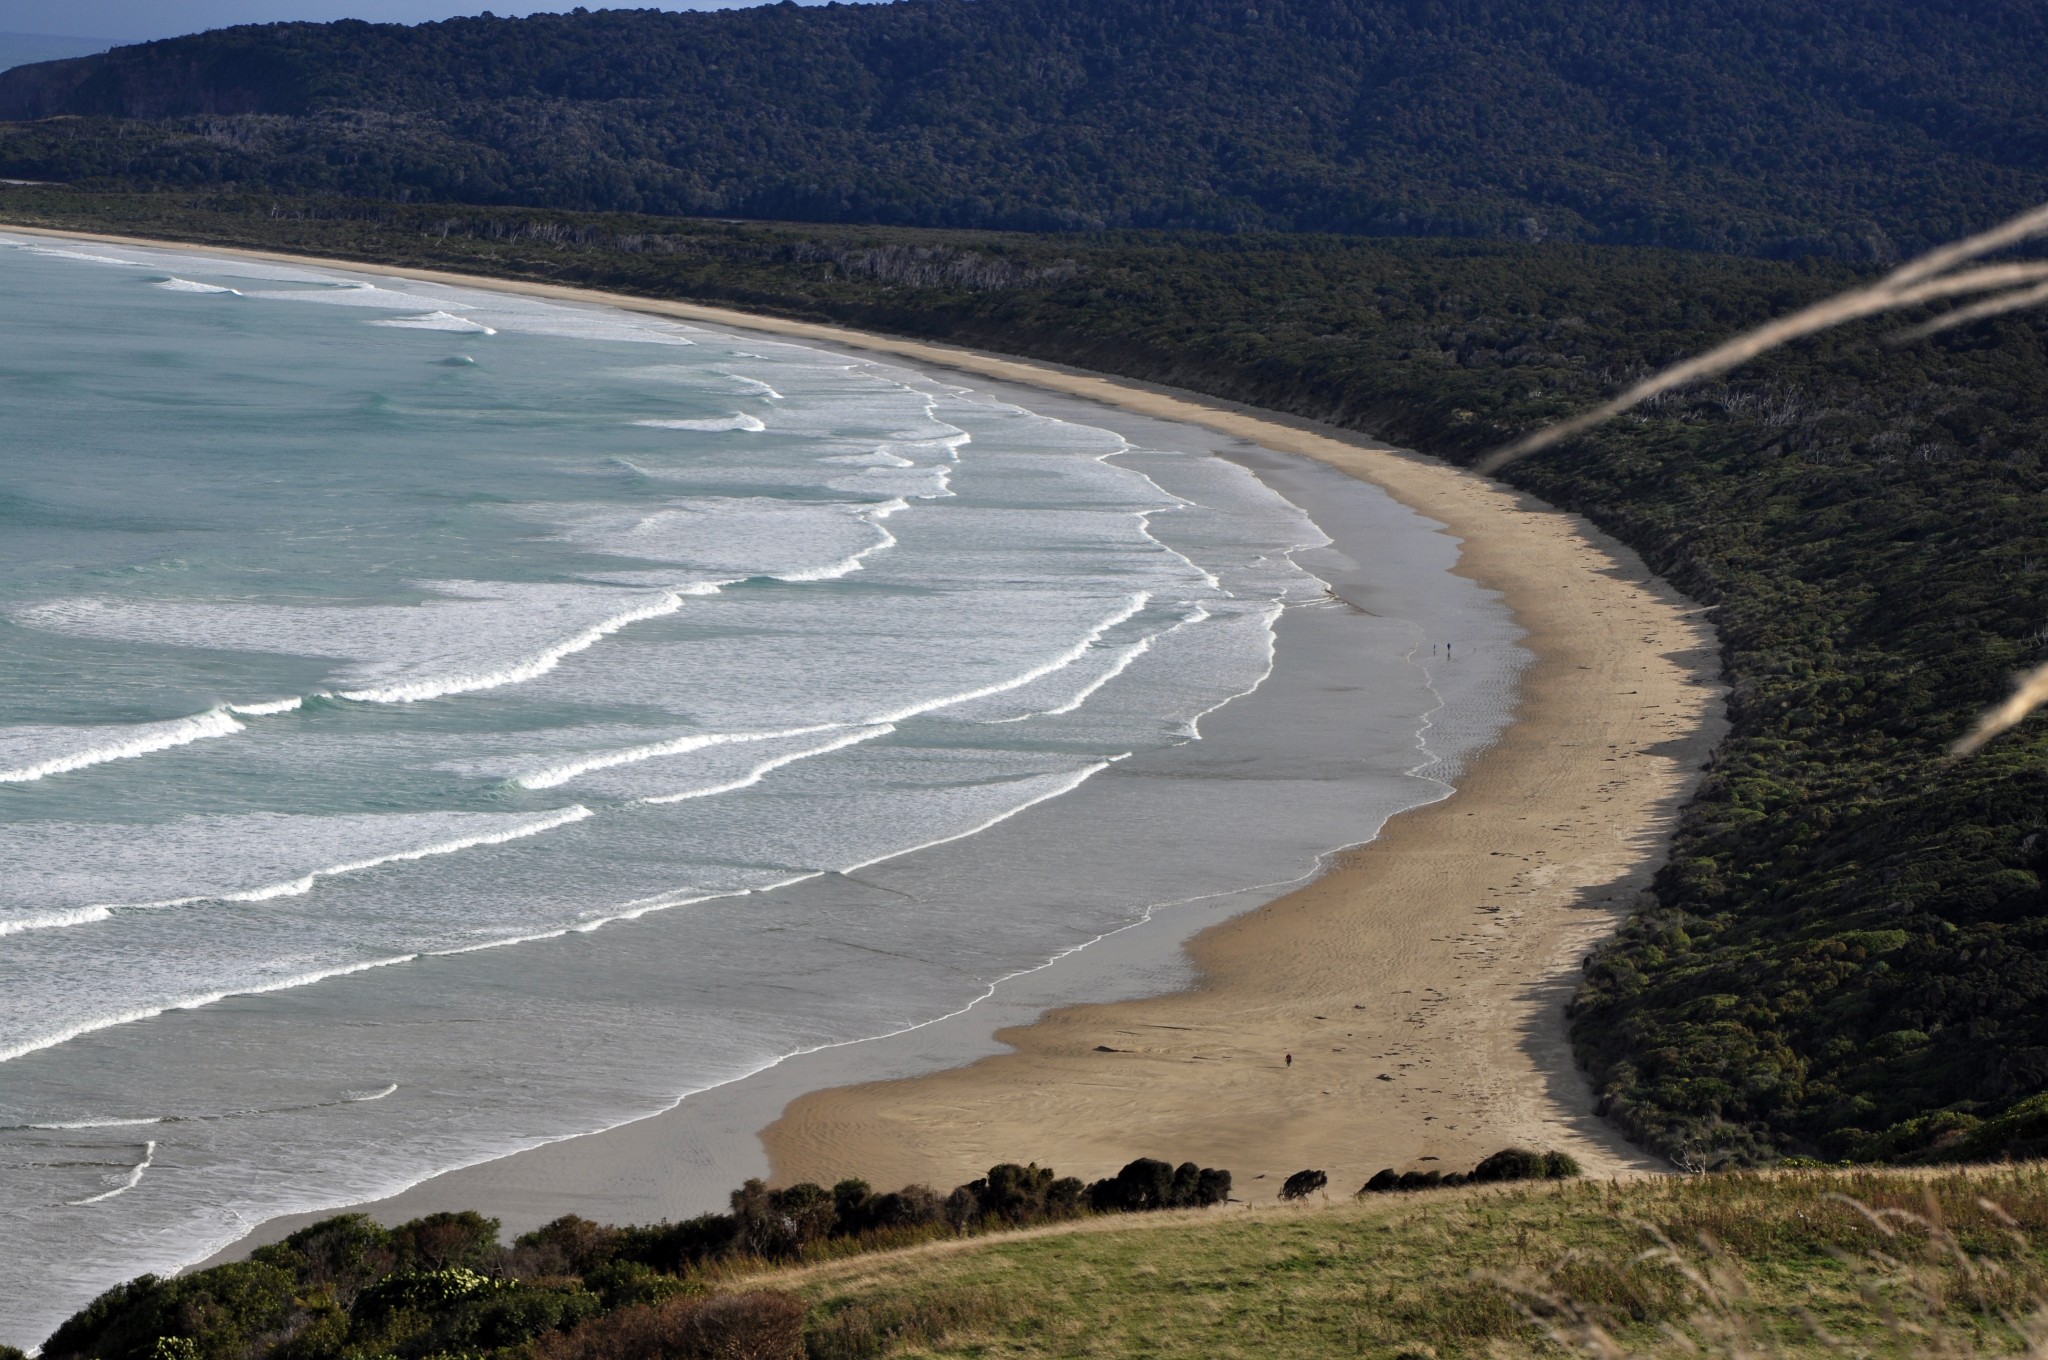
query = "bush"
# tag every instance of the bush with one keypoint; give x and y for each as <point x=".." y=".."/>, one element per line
<point x="675" y="1247"/>
<point x="914" y="1206"/>
<point x="343" y="1254"/>
<point x="427" y="1290"/>
<point x="1302" y="1184"/>
<point x="1520" y="1164"/>
<point x="225" y="1312"/>
<point x="1382" y="1182"/>
<point x="1510" y="1164"/>
<point x="623" y="1284"/>
<point x="1017" y="1196"/>
<point x="1147" y="1184"/>
<point x="569" y="1245"/>
<point x="466" y="1240"/>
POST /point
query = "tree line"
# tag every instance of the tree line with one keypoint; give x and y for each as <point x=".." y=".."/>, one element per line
<point x="1757" y="126"/>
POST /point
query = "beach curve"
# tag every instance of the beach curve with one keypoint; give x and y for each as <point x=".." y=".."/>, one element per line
<point x="1439" y="952"/>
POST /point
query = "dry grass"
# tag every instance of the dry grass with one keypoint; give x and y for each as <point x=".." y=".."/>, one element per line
<point x="1789" y="1264"/>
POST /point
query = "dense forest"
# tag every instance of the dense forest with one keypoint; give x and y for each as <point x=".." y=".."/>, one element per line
<point x="1847" y="954"/>
<point x="1762" y="126"/>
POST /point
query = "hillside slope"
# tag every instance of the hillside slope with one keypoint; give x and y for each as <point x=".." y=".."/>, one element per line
<point x="1762" y="126"/>
<point x="1750" y="1265"/>
<point x="1788" y="1265"/>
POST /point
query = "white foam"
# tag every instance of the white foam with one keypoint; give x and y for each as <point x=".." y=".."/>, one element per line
<point x="873" y="458"/>
<point x="242" y="858"/>
<point x="758" y="387"/>
<point x="763" y="769"/>
<point x="352" y="293"/>
<point x="55" y="253"/>
<point x="738" y="421"/>
<point x="37" y="752"/>
<point x="133" y="1178"/>
<point x="553" y="776"/>
<point x="1060" y="661"/>
<point x="479" y="635"/>
<point x="1047" y="790"/>
<point x="267" y="708"/>
<point x="54" y="920"/>
<point x="178" y="285"/>
<point x="364" y="1097"/>
<point x="304" y="883"/>
<point x="721" y="540"/>
<point x="197" y="1001"/>
<point x="459" y="682"/>
<point x="69" y="1125"/>
<point x="915" y="483"/>
<point x="436" y="321"/>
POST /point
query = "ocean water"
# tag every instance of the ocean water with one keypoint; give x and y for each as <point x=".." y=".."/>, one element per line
<point x="434" y="722"/>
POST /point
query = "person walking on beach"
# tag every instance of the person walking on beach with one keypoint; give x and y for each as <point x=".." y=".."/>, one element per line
<point x="1290" y="1060"/>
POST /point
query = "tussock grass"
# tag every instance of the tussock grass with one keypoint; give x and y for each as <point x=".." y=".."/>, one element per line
<point x="1790" y="1264"/>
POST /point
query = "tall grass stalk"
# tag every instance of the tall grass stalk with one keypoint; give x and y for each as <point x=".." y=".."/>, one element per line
<point x="1930" y="278"/>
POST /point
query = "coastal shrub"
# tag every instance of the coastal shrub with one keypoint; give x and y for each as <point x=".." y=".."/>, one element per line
<point x="441" y="1286"/>
<point x="914" y="1206"/>
<point x="568" y="1245"/>
<point x="341" y="1254"/>
<point x="779" y="1224"/>
<point x="465" y="1240"/>
<point x="1302" y="1184"/>
<point x="853" y="1207"/>
<point x="1147" y="1184"/>
<point x="1520" y="1164"/>
<point x="2019" y="1133"/>
<point x="1509" y="1164"/>
<point x="224" y="1312"/>
<point x="1016" y="1196"/>
<point x="624" y="1284"/>
<point x="430" y="1317"/>
<point x="1381" y="1182"/>
<point x="675" y="1247"/>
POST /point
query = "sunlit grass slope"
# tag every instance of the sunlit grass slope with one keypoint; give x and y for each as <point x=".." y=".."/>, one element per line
<point x="1791" y="1263"/>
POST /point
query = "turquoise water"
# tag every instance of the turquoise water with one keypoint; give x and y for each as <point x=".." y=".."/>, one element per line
<point x="366" y="646"/>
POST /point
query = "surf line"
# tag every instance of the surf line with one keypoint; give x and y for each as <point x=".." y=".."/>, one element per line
<point x="135" y="1175"/>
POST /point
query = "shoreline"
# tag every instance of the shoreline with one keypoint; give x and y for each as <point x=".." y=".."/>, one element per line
<point x="1572" y="747"/>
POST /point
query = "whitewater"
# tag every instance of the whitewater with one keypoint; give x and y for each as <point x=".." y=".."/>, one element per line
<point x="435" y="722"/>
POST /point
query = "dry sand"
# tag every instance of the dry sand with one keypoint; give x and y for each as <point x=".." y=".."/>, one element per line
<point x="1419" y="985"/>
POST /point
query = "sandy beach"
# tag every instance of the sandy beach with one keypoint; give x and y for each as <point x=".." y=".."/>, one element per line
<point x="1418" y="985"/>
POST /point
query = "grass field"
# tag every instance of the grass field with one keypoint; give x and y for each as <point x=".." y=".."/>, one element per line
<point x="1799" y="1263"/>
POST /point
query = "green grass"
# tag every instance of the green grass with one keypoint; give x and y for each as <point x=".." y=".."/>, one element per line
<point x="1736" y="1264"/>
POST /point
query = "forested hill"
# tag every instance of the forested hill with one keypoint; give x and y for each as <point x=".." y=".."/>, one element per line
<point x="1765" y="126"/>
